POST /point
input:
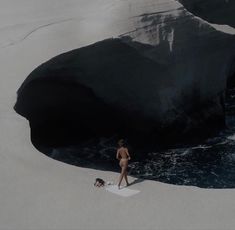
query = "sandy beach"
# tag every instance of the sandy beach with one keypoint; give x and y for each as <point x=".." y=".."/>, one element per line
<point x="37" y="192"/>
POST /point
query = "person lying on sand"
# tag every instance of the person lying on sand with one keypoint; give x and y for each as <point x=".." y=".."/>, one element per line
<point x="99" y="182"/>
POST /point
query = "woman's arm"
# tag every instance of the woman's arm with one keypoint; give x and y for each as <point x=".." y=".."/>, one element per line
<point x="117" y="155"/>
<point x="127" y="152"/>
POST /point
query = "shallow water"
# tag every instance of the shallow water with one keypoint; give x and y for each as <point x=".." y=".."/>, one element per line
<point x="209" y="165"/>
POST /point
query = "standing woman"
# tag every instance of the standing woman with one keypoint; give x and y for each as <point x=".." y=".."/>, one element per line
<point x="123" y="156"/>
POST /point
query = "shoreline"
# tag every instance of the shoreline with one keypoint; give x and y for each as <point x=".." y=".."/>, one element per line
<point x="38" y="192"/>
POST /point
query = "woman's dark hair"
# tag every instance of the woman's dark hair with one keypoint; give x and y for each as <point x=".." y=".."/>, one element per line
<point x="121" y="142"/>
<point x="99" y="180"/>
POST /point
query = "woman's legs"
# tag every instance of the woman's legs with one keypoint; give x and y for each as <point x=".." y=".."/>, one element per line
<point x="123" y="165"/>
<point x="125" y="176"/>
<point x="121" y="176"/>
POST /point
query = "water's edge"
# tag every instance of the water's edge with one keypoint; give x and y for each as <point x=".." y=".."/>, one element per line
<point x="209" y="165"/>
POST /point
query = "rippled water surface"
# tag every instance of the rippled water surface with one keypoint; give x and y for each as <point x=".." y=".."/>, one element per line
<point x="209" y="165"/>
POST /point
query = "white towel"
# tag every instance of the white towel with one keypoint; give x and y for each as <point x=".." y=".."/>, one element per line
<point x="123" y="191"/>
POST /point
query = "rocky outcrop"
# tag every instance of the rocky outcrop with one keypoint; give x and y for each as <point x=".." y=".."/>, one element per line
<point x="163" y="79"/>
<point x="215" y="11"/>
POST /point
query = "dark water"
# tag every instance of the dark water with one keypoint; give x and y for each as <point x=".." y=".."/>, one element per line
<point x="209" y="165"/>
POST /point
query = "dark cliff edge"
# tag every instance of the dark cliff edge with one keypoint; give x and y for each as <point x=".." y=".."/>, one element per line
<point x="160" y="84"/>
<point x="215" y="11"/>
<point x="110" y="88"/>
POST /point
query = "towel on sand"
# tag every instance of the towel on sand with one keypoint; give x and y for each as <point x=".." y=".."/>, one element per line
<point x="123" y="191"/>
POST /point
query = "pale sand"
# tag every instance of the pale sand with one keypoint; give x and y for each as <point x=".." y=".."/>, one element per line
<point x="37" y="192"/>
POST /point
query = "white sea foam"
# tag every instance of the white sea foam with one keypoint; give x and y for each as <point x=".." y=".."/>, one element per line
<point x="232" y="137"/>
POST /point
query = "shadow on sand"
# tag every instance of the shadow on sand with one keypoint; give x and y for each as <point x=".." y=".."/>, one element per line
<point x="136" y="181"/>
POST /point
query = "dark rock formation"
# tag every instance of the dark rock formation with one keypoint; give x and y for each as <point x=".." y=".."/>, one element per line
<point x="231" y="75"/>
<point x="96" y="90"/>
<point x="162" y="82"/>
<point x="215" y="11"/>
